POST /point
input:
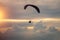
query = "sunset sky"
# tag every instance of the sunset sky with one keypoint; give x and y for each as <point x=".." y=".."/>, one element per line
<point x="44" y="26"/>
<point x="49" y="8"/>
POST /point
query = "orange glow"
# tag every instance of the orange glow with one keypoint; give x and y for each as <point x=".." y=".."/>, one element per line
<point x="26" y="20"/>
<point x="3" y="11"/>
<point x="50" y="19"/>
<point x="13" y="20"/>
<point x="30" y="28"/>
<point x="2" y="15"/>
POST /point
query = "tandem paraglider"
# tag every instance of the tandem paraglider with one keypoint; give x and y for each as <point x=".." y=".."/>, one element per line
<point x="34" y="6"/>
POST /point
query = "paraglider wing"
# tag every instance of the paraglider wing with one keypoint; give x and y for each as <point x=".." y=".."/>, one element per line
<point x="33" y="7"/>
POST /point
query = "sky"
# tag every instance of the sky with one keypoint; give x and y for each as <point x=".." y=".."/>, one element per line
<point x="48" y="8"/>
<point x="41" y="30"/>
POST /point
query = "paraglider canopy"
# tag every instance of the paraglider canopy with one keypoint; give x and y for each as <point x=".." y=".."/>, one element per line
<point x="34" y="6"/>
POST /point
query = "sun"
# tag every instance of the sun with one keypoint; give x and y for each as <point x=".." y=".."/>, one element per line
<point x="3" y="11"/>
<point x="2" y="14"/>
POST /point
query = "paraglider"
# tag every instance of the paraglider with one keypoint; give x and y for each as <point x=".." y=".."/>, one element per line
<point x="34" y="6"/>
<point x="37" y="9"/>
<point x="29" y="21"/>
